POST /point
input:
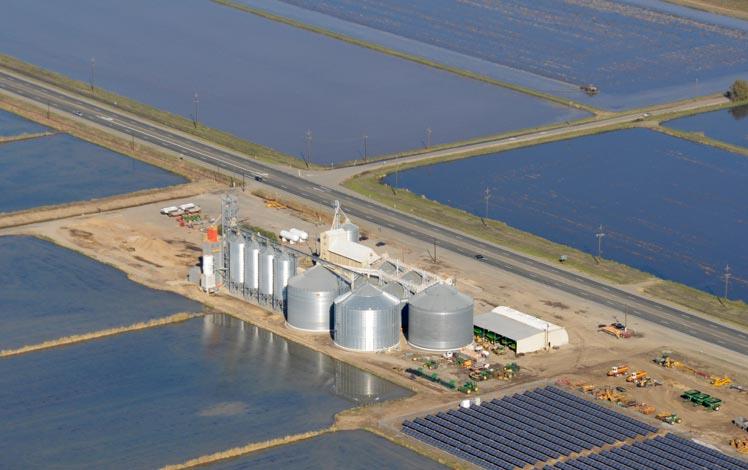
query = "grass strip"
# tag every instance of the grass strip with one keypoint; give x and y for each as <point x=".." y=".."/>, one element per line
<point x="249" y="448"/>
<point x="405" y="55"/>
<point x="66" y="340"/>
<point x="253" y="150"/>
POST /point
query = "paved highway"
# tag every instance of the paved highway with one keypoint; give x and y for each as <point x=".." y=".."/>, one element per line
<point x="427" y="232"/>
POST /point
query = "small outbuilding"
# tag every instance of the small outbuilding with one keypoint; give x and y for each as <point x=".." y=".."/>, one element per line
<point x="519" y="331"/>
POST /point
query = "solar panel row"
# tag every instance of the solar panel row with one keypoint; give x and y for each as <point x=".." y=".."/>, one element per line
<point x="660" y="453"/>
<point x="530" y="428"/>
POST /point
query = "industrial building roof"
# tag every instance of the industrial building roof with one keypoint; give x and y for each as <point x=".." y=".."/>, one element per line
<point x="513" y="324"/>
<point x="441" y="297"/>
<point x="352" y="250"/>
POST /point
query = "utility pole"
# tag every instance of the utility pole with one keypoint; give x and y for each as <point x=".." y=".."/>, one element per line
<point x="47" y="109"/>
<point x="92" y="74"/>
<point x="308" y="137"/>
<point x="366" y="138"/>
<point x="727" y="276"/>
<point x="599" y="235"/>
<point x="486" y="197"/>
<point x="195" y="109"/>
<point x="428" y="138"/>
<point x="436" y="260"/>
<point x="394" y="189"/>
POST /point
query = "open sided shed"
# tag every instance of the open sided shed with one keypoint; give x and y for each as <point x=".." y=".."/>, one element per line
<point x="519" y="331"/>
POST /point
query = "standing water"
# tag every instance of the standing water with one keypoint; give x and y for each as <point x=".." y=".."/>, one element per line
<point x="668" y="206"/>
<point x="163" y="396"/>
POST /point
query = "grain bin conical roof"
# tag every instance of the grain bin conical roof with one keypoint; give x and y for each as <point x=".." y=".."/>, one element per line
<point x="315" y="279"/>
<point x="441" y="297"/>
<point x="367" y="297"/>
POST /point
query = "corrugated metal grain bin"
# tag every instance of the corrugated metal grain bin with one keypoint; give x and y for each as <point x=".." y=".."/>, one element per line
<point x="367" y="319"/>
<point x="310" y="296"/>
<point x="439" y="318"/>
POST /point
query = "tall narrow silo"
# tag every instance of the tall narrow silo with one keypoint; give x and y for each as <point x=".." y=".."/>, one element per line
<point x="367" y="319"/>
<point x="236" y="260"/>
<point x="251" y="264"/>
<point x="310" y="296"/>
<point x="440" y="318"/>
<point x="284" y="268"/>
<point x="267" y="254"/>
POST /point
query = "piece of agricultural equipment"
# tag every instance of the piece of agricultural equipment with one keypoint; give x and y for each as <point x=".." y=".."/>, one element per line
<point x="617" y="371"/>
<point x="720" y="381"/>
<point x="480" y="375"/>
<point x="646" y="409"/>
<point x="741" y="422"/>
<point x="703" y="399"/>
<point x="468" y="387"/>
<point x="431" y="364"/>
<point x="638" y="375"/>
<point x="669" y="418"/>
<point x="741" y="445"/>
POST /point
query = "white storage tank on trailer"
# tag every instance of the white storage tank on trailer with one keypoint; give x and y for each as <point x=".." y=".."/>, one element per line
<point x="367" y="319"/>
<point x="439" y="318"/>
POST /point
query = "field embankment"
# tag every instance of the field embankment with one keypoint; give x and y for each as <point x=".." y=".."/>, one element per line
<point x="64" y="341"/>
<point x="18" y="138"/>
<point x="246" y="449"/>
<point x="403" y="55"/>
<point x="736" y="8"/>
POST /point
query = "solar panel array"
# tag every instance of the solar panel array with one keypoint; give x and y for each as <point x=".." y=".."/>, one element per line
<point x="529" y="428"/>
<point x="661" y="453"/>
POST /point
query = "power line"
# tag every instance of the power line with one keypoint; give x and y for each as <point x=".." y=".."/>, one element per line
<point x="486" y="197"/>
<point x="599" y="235"/>
<point x="195" y="109"/>
<point x="308" y="138"/>
<point x="92" y="74"/>
<point x="727" y="276"/>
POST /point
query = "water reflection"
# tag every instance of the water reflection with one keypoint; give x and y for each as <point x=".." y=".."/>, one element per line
<point x="283" y="356"/>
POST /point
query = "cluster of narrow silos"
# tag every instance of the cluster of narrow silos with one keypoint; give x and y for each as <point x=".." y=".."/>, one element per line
<point x="257" y="270"/>
<point x="439" y="318"/>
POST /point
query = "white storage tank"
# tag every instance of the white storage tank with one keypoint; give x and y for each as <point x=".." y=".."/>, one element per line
<point x="284" y="268"/>
<point x="267" y="255"/>
<point x="367" y="319"/>
<point x="439" y="318"/>
<point x="251" y="264"/>
<point x="310" y="296"/>
<point x="236" y="260"/>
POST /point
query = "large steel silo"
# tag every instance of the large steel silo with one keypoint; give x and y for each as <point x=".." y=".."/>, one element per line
<point x="267" y="254"/>
<point x="251" y="264"/>
<point x="284" y="267"/>
<point x="351" y="231"/>
<point x="440" y="318"/>
<point x="310" y="296"/>
<point x="367" y="319"/>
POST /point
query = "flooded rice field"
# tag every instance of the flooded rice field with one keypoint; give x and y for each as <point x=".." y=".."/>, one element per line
<point x="727" y="125"/>
<point x="60" y="168"/>
<point x="163" y="395"/>
<point x="48" y="292"/>
<point x="13" y="125"/>
<point x="262" y="80"/>
<point x="352" y="450"/>
<point x="637" y="52"/>
<point x="668" y="206"/>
